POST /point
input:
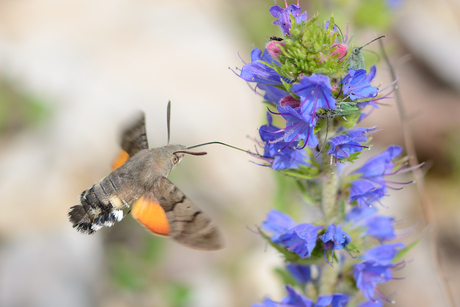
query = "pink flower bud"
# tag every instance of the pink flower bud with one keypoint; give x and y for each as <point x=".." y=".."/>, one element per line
<point x="289" y="101"/>
<point x="340" y="49"/>
<point x="273" y="48"/>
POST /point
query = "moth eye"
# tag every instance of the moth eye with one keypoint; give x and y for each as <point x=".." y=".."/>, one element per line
<point x="175" y="159"/>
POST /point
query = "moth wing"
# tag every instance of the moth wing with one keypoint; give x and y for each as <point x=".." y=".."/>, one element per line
<point x="149" y="213"/>
<point x="188" y="224"/>
<point x="134" y="139"/>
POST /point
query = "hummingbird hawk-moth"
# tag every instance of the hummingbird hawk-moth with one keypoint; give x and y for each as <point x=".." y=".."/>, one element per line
<point x="139" y="181"/>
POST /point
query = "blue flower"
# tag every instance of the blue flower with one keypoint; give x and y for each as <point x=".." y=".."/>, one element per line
<point x="380" y="165"/>
<point x="380" y="227"/>
<point x="371" y="186"/>
<point x="272" y="93"/>
<point x="278" y="223"/>
<point x="344" y="145"/>
<point x="358" y="85"/>
<point x="294" y="299"/>
<point x="301" y="273"/>
<point x="358" y="213"/>
<point x="301" y="239"/>
<point x="377" y="226"/>
<point x="335" y="238"/>
<point x="374" y="303"/>
<point x="383" y="254"/>
<point x="366" y="192"/>
<point x="315" y="93"/>
<point x="284" y="19"/>
<point x="334" y="300"/>
<point x="278" y="153"/>
<point x="298" y="127"/>
<point x="256" y="71"/>
<point x="369" y="274"/>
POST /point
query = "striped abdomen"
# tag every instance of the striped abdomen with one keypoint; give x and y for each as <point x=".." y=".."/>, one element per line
<point x="103" y="203"/>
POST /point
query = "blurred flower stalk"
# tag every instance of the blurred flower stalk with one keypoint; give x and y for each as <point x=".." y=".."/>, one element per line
<point x="318" y="90"/>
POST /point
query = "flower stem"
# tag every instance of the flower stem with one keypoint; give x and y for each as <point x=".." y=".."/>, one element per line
<point x="329" y="204"/>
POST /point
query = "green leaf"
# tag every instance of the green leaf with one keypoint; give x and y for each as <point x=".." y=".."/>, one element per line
<point x="402" y="252"/>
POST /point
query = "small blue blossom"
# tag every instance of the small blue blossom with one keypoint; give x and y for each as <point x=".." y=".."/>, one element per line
<point x="278" y="223"/>
<point x="272" y="93"/>
<point x="383" y="254"/>
<point x="380" y="165"/>
<point x="358" y="85"/>
<point x="377" y="226"/>
<point x="380" y="227"/>
<point x="301" y="239"/>
<point x="335" y="300"/>
<point x="374" y="303"/>
<point x="284" y="19"/>
<point x="301" y="272"/>
<point x="371" y="186"/>
<point x="358" y="213"/>
<point x="294" y="299"/>
<point x="344" y="145"/>
<point x="335" y="238"/>
<point x="366" y="192"/>
<point x="256" y="71"/>
<point x="369" y="274"/>
<point x="278" y="153"/>
<point x="298" y="127"/>
<point x="315" y="93"/>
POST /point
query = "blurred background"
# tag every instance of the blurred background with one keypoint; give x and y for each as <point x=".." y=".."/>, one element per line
<point x="72" y="73"/>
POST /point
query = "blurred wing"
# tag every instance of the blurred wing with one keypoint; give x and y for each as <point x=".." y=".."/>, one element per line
<point x="134" y="139"/>
<point x="188" y="224"/>
<point x="147" y="211"/>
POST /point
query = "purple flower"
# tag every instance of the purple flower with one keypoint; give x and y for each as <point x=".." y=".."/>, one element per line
<point x="371" y="186"/>
<point x="358" y="85"/>
<point x="301" y="273"/>
<point x="278" y="153"/>
<point x="335" y="237"/>
<point x="256" y="71"/>
<point x="315" y="93"/>
<point x="294" y="299"/>
<point x="344" y="145"/>
<point x="366" y="192"/>
<point x="334" y="300"/>
<point x="375" y="303"/>
<point x="284" y="19"/>
<point x="369" y="274"/>
<point x="358" y="213"/>
<point x="301" y="239"/>
<point x="272" y="93"/>
<point x="278" y="223"/>
<point x="298" y="127"/>
<point x="380" y="165"/>
<point x="383" y="254"/>
<point x="380" y="227"/>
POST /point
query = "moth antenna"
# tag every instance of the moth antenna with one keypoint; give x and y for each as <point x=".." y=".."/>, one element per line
<point x="220" y="143"/>
<point x="371" y="42"/>
<point x="168" y="119"/>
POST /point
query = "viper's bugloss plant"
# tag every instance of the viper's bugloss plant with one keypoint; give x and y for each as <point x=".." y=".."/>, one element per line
<point x="312" y="85"/>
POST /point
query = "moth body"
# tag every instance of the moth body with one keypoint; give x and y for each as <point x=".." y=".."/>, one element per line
<point x="139" y="179"/>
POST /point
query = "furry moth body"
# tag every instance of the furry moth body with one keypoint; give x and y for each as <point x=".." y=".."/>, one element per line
<point x="139" y="180"/>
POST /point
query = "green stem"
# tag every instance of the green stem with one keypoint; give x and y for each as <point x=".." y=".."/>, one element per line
<point x="330" y="208"/>
<point x="330" y="185"/>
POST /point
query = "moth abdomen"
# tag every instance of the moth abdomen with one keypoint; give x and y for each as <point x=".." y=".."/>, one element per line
<point x="100" y="206"/>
